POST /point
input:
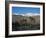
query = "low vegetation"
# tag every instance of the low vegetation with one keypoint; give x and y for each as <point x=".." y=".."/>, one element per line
<point x="18" y="27"/>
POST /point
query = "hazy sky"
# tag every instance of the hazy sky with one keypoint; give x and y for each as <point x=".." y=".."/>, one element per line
<point x="24" y="10"/>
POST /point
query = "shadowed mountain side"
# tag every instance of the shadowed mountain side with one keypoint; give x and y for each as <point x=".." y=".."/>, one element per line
<point x="31" y="19"/>
<point x="25" y="23"/>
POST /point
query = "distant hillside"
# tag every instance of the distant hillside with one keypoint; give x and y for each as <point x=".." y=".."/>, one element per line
<point x="30" y="19"/>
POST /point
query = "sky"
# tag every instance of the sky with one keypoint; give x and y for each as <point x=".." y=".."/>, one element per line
<point x="25" y="10"/>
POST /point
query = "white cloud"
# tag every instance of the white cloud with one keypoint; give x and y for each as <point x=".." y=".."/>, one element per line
<point x="27" y="14"/>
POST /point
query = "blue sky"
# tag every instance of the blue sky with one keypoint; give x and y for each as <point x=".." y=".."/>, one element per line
<point x="24" y="10"/>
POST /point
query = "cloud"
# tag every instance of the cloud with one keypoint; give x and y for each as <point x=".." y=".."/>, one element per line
<point x="27" y="14"/>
